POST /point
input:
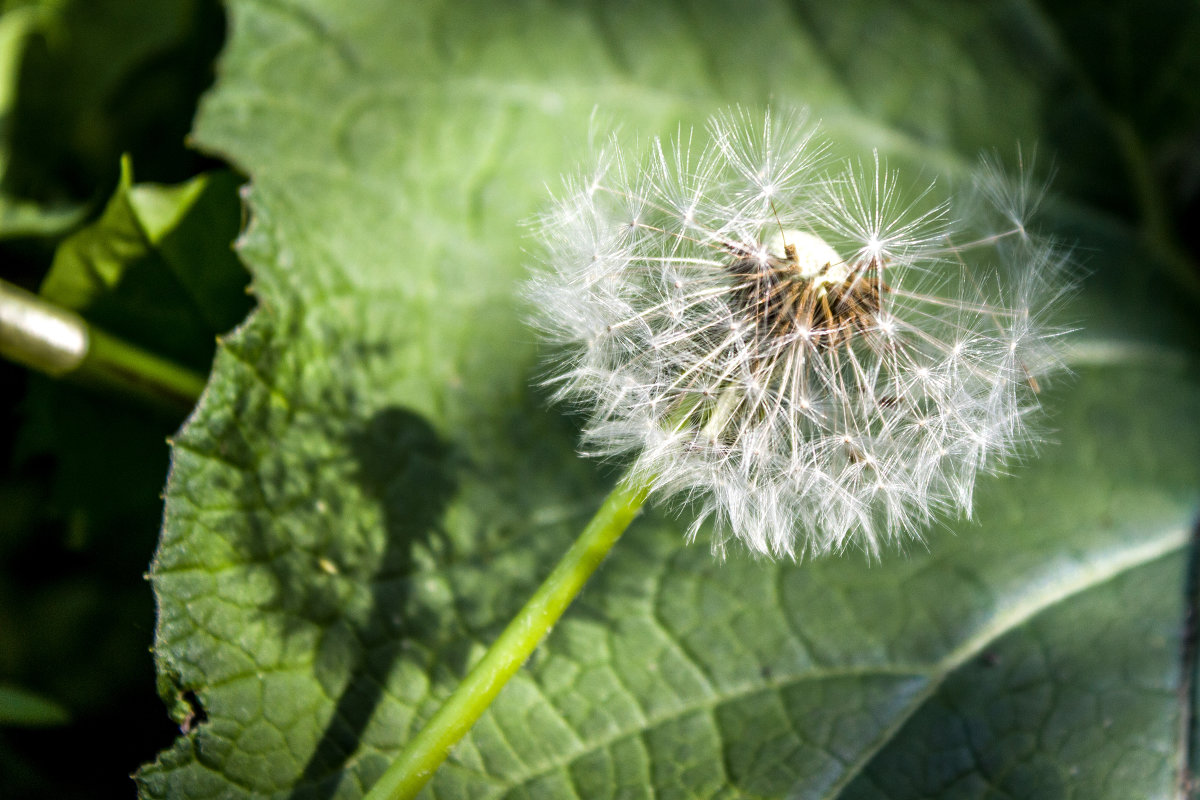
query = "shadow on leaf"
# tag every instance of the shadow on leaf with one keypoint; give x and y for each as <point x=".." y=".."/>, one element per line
<point x="403" y="466"/>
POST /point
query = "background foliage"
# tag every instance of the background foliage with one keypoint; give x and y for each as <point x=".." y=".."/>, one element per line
<point x="81" y="472"/>
<point x="368" y="487"/>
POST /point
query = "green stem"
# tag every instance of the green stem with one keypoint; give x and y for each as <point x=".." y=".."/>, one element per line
<point x="417" y="762"/>
<point x="125" y="367"/>
<point x="60" y="343"/>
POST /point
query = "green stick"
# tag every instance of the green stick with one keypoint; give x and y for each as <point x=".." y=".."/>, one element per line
<point x="60" y="343"/>
<point x="416" y="764"/>
<point x="128" y="368"/>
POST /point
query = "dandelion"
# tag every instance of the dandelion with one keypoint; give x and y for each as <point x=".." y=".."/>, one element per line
<point x="798" y="349"/>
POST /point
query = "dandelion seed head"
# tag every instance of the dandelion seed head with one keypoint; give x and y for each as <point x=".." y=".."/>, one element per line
<point x="799" y="351"/>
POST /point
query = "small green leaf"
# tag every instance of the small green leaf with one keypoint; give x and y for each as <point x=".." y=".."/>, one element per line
<point x="368" y="490"/>
<point x="158" y="267"/>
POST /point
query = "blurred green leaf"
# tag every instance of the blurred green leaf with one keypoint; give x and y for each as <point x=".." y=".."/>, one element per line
<point x="96" y="78"/>
<point x="81" y="473"/>
<point x="368" y="491"/>
<point x="80" y="503"/>
<point x="18" y="216"/>
<point x="81" y="82"/>
<point x="24" y="708"/>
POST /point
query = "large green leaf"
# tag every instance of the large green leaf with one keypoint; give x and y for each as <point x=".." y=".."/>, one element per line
<point x="368" y="489"/>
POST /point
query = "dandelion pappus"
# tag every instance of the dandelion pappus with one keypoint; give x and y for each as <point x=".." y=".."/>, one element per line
<point x="726" y="320"/>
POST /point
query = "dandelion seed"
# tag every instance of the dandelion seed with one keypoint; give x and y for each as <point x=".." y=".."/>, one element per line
<point x="802" y="352"/>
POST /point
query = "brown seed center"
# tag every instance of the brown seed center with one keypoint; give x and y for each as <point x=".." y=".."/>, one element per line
<point x="782" y="298"/>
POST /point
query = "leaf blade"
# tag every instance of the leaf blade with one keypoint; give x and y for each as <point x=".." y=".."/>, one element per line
<point x="386" y="270"/>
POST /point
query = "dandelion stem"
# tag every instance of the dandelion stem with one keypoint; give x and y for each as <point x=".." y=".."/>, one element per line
<point x="417" y="762"/>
